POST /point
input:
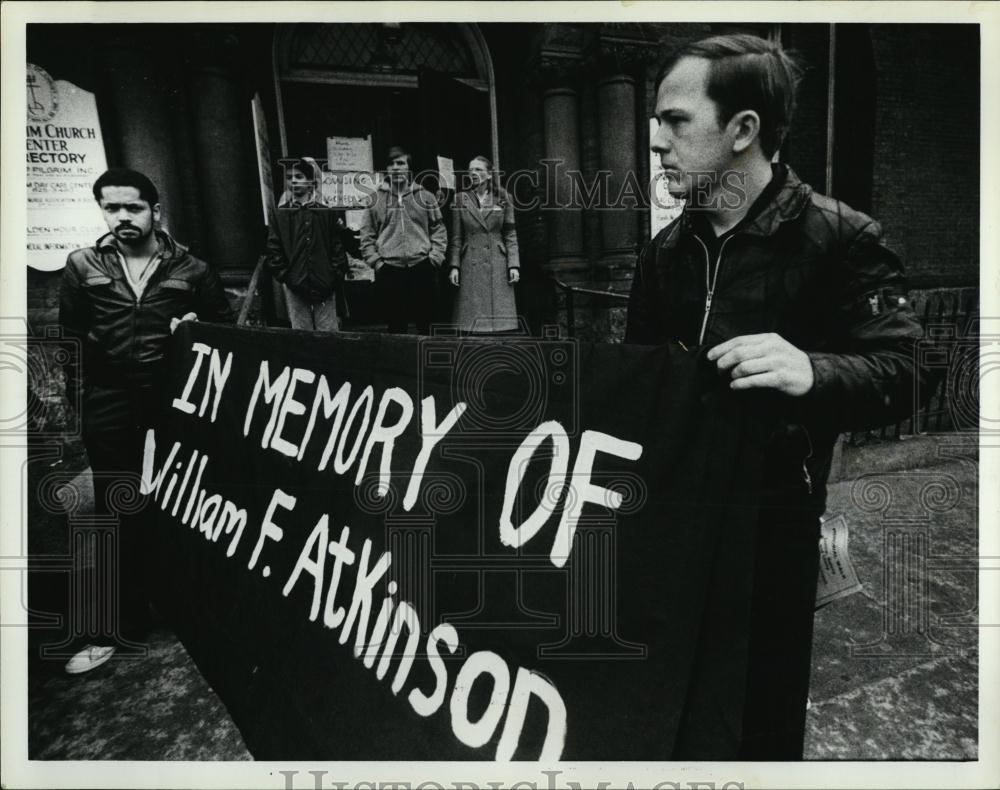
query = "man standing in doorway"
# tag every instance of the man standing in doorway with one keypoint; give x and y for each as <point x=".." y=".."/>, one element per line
<point x="121" y="299"/>
<point x="788" y="291"/>
<point x="404" y="239"/>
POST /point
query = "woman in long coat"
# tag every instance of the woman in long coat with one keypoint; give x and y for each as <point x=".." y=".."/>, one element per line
<point x="483" y="254"/>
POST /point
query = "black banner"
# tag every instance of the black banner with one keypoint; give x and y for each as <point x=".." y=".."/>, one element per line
<point x="380" y="547"/>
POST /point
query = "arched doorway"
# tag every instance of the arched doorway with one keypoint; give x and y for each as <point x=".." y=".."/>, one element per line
<point x="426" y="86"/>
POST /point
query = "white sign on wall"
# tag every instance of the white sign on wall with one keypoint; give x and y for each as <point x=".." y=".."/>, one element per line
<point x="348" y="180"/>
<point x="663" y="207"/>
<point x="64" y="156"/>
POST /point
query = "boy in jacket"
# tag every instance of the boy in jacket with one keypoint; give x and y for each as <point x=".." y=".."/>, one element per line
<point x="306" y="250"/>
<point x="403" y="240"/>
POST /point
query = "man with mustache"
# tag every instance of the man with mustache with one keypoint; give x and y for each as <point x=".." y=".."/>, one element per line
<point x="121" y="299"/>
<point x="789" y="291"/>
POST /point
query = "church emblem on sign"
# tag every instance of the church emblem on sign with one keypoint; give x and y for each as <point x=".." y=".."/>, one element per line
<point x="43" y="97"/>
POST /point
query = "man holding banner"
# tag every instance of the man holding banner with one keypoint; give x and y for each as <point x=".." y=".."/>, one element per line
<point x="787" y="290"/>
<point x="121" y="299"/>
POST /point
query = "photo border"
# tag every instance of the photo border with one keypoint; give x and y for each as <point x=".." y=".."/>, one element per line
<point x="19" y="772"/>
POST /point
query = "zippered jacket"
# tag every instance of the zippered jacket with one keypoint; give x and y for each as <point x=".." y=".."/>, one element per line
<point x="403" y="229"/>
<point x="815" y="272"/>
<point x="306" y="249"/>
<point x="122" y="340"/>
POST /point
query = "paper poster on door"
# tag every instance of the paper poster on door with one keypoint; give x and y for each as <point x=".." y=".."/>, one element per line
<point x="349" y="180"/>
<point x="446" y="169"/>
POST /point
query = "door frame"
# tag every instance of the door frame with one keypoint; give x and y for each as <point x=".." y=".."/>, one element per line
<point x="469" y="33"/>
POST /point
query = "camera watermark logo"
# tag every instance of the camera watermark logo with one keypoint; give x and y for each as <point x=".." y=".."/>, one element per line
<point x="957" y="354"/>
<point x="509" y="384"/>
<point x="36" y="363"/>
<point x="580" y="607"/>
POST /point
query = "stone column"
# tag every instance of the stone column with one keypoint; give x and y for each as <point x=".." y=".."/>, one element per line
<point x="623" y="59"/>
<point x="227" y="170"/>
<point x="617" y="123"/>
<point x="590" y="164"/>
<point x="141" y="113"/>
<point x="562" y="155"/>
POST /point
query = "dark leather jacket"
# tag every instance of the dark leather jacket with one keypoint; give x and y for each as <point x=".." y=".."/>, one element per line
<point x="815" y="272"/>
<point x="122" y="339"/>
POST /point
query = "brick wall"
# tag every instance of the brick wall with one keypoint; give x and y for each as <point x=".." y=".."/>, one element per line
<point x="926" y="162"/>
<point x="805" y="146"/>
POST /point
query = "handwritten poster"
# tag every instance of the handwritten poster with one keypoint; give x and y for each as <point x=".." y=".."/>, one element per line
<point x="349" y="180"/>
<point x="446" y="167"/>
<point x="64" y="156"/>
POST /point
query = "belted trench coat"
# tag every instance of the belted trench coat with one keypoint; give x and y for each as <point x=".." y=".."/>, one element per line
<point x="483" y="247"/>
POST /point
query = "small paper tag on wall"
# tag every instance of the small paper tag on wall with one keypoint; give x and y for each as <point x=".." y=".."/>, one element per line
<point x="837" y="578"/>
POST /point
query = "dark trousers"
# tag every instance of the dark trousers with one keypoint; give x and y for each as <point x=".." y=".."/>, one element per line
<point x="750" y="681"/>
<point x="407" y="293"/>
<point x="114" y="430"/>
<point x="786" y="564"/>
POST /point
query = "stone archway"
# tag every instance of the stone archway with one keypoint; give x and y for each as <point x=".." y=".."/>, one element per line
<point x="378" y="55"/>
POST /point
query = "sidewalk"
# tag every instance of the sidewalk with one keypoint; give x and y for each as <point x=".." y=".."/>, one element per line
<point x="895" y="667"/>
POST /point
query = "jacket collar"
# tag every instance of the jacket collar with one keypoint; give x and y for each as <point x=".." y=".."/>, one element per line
<point x="412" y="186"/>
<point x="786" y="205"/>
<point x="789" y="202"/>
<point x="498" y="194"/>
<point x="170" y="249"/>
<point x="475" y="208"/>
<point x="311" y="199"/>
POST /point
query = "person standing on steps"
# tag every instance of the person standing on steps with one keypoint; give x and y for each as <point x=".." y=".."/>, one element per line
<point x="483" y="255"/>
<point x="403" y="240"/>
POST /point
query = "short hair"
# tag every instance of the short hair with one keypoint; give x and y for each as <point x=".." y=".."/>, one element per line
<point x="484" y="160"/>
<point x="123" y="177"/>
<point x="306" y="165"/>
<point x="746" y="72"/>
<point x="397" y="151"/>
